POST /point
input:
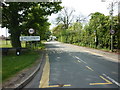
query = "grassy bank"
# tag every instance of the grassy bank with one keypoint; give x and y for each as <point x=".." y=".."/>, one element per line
<point x="12" y="64"/>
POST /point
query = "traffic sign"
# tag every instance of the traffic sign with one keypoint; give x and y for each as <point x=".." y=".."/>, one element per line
<point x="112" y="31"/>
<point x="29" y="38"/>
<point x="31" y="31"/>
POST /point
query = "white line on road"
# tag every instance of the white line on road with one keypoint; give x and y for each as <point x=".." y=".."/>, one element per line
<point x="57" y="45"/>
<point x="89" y="68"/>
<point x="77" y="57"/>
<point x="80" y="59"/>
<point x="112" y="80"/>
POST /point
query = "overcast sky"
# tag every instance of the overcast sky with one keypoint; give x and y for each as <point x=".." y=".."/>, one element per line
<point x="84" y="7"/>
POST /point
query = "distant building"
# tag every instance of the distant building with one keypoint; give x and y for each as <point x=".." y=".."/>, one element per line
<point x="52" y="38"/>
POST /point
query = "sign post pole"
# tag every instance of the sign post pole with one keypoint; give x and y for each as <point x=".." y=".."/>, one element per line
<point x="30" y="38"/>
<point x="111" y="42"/>
<point x="31" y="31"/>
<point x="112" y="32"/>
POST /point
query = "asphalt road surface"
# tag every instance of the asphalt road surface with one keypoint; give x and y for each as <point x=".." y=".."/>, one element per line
<point x="68" y="66"/>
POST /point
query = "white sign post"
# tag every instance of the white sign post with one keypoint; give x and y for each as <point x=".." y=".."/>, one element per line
<point x="29" y="38"/>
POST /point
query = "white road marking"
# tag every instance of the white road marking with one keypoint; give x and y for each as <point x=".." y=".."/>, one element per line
<point x="112" y="80"/>
<point x="64" y="50"/>
<point x="77" y="57"/>
<point x="57" y="45"/>
<point x="80" y="59"/>
<point x="58" y="57"/>
<point x="89" y="68"/>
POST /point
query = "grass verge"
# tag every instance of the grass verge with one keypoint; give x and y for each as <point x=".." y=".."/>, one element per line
<point x="4" y="44"/>
<point x="12" y="64"/>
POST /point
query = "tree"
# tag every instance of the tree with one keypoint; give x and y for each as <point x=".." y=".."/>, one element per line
<point x="19" y="15"/>
<point x="99" y="28"/>
<point x="81" y="18"/>
<point x="95" y="34"/>
<point x="65" y="17"/>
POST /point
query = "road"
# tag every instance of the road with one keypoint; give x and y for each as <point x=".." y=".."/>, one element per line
<point x="69" y="66"/>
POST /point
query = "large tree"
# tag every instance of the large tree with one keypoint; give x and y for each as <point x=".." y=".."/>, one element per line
<point x="96" y="33"/>
<point x="65" y="17"/>
<point x="16" y="16"/>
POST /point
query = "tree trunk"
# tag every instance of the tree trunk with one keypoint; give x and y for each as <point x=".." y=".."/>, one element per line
<point x="15" y="34"/>
<point x="15" y="40"/>
<point x="15" y="29"/>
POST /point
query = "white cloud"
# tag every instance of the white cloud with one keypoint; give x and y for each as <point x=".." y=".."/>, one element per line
<point x="85" y="7"/>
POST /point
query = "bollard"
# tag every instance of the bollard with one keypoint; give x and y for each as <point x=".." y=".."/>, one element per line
<point x="18" y="50"/>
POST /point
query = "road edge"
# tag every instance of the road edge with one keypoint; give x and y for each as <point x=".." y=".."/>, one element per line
<point x="44" y="82"/>
<point x="95" y="53"/>
<point x="31" y="76"/>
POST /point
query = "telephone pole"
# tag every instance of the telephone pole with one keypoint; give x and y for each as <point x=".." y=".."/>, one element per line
<point x="111" y="28"/>
<point x="111" y="18"/>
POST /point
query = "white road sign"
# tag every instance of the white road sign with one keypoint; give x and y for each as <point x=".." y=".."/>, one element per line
<point x="112" y="31"/>
<point x="29" y="38"/>
<point x="31" y="31"/>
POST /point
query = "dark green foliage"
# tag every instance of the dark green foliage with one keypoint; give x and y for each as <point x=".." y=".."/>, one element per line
<point x="98" y="26"/>
<point x="18" y="17"/>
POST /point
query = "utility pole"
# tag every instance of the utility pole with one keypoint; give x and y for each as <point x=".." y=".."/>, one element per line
<point x="111" y="28"/>
<point x="95" y="33"/>
<point x="111" y="18"/>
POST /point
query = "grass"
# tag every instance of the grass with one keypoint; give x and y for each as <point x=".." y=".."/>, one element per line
<point x="12" y="64"/>
<point x="0" y="70"/>
<point x="41" y="46"/>
<point x="4" y="43"/>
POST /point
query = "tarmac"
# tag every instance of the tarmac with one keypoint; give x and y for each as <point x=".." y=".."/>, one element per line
<point x="25" y="76"/>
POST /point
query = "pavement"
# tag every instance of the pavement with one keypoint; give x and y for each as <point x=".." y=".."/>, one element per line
<point x="71" y="66"/>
